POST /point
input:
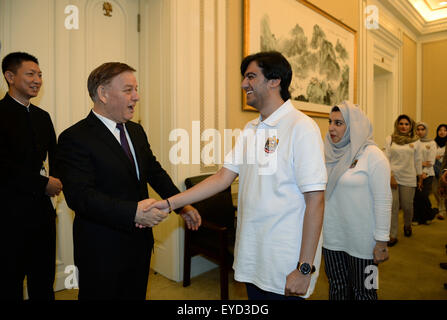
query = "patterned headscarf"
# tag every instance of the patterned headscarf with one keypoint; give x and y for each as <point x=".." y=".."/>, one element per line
<point x="404" y="138"/>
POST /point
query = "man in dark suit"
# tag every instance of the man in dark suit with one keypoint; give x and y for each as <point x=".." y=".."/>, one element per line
<point x="105" y="163"/>
<point x="27" y="137"/>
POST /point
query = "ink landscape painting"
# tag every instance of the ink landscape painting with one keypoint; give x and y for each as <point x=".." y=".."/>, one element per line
<point x="321" y="52"/>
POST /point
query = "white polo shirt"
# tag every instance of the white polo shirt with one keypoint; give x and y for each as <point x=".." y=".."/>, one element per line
<point x="289" y="161"/>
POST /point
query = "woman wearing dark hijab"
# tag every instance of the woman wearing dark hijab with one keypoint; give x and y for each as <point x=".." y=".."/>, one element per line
<point x="402" y="149"/>
<point x="358" y="205"/>
<point x="441" y="139"/>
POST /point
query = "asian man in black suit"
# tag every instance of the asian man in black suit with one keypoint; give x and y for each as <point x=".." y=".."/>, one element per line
<point x="105" y="163"/>
<point x="28" y="229"/>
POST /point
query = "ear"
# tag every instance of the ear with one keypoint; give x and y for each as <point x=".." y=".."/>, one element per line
<point x="274" y="83"/>
<point x="9" y="76"/>
<point x="102" y="94"/>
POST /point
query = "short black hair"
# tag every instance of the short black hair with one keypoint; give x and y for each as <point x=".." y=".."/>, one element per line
<point x="13" y="61"/>
<point x="274" y="66"/>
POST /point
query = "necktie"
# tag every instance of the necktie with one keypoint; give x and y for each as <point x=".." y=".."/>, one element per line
<point x="124" y="142"/>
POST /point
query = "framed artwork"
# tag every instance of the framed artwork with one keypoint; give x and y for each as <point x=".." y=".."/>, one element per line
<point x="321" y="50"/>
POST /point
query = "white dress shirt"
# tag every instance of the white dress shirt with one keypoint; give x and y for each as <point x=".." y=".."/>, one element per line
<point x="111" y="125"/>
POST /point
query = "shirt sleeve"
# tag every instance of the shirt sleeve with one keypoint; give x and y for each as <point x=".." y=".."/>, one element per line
<point x="379" y="183"/>
<point x="234" y="158"/>
<point x="308" y="161"/>
<point x="418" y="158"/>
<point x="432" y="153"/>
<point x="388" y="147"/>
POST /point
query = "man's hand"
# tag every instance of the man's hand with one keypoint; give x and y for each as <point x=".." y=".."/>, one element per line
<point x="380" y="252"/>
<point x="297" y="283"/>
<point x="192" y="217"/>
<point x="148" y="217"/>
<point x="54" y="187"/>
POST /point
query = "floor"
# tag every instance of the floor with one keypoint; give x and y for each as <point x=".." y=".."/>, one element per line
<point x="411" y="273"/>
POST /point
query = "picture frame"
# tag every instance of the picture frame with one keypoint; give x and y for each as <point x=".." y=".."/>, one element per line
<point x="321" y="49"/>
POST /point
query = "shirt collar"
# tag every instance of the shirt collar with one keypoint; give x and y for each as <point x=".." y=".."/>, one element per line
<point x="276" y="116"/>
<point x="26" y="106"/>
<point x="110" y="124"/>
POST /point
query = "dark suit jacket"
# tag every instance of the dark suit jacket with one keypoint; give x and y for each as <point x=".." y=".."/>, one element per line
<point x="101" y="186"/>
<point x="25" y="140"/>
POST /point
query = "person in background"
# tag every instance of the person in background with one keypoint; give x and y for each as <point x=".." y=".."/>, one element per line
<point x="27" y="139"/>
<point x="402" y="149"/>
<point x="358" y="204"/>
<point x="441" y="139"/>
<point x="423" y="212"/>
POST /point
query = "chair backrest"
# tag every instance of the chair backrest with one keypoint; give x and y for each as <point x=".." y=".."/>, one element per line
<point x="218" y="209"/>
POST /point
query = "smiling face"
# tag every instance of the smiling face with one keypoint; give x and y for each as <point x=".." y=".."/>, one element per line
<point x="404" y="126"/>
<point x="255" y="85"/>
<point x="337" y="126"/>
<point x="119" y="97"/>
<point x="442" y="132"/>
<point x="26" y="82"/>
<point x="420" y="131"/>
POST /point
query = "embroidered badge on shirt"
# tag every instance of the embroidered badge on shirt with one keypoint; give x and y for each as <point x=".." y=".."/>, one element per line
<point x="411" y="145"/>
<point x="271" y="144"/>
<point x="428" y="147"/>
<point x="353" y="164"/>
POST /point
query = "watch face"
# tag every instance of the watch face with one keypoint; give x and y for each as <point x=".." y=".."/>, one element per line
<point x="305" y="268"/>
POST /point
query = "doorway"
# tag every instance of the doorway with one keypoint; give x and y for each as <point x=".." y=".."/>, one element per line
<point x="383" y="99"/>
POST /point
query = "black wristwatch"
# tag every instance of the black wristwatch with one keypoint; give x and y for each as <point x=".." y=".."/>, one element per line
<point x="305" y="268"/>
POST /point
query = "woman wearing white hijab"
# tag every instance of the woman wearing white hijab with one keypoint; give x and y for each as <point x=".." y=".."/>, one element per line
<point x="423" y="212"/>
<point x="358" y="205"/>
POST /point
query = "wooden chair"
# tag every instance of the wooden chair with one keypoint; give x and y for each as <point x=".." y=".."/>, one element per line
<point x="215" y="237"/>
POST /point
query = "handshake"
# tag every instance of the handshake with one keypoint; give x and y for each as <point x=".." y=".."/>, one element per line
<point x="151" y="212"/>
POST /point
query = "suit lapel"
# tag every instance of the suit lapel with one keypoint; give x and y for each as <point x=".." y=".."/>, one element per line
<point x="104" y="134"/>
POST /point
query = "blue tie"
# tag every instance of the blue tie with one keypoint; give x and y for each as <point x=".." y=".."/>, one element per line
<point x="124" y="142"/>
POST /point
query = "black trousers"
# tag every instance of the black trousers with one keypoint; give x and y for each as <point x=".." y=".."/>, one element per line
<point x="422" y="205"/>
<point x="125" y="284"/>
<point x="255" y="293"/>
<point x="30" y="252"/>
<point x="348" y="276"/>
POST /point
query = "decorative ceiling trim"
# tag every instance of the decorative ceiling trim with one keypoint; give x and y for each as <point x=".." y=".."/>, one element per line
<point x="405" y="11"/>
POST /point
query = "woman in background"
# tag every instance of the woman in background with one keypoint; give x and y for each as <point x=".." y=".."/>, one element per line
<point x="441" y="139"/>
<point x="423" y="212"/>
<point x="402" y="149"/>
<point x="358" y="205"/>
